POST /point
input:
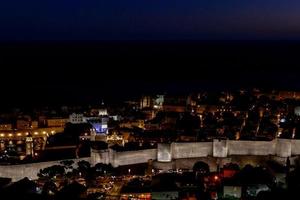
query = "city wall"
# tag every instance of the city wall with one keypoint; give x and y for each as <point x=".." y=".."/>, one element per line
<point x="191" y="150"/>
<point x="17" y="172"/>
<point x="122" y="158"/>
<point x="222" y="150"/>
<point x="281" y="148"/>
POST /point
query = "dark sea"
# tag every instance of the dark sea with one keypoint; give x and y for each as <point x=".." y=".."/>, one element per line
<point x="80" y="72"/>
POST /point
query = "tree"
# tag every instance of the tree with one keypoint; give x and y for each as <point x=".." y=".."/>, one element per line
<point x="85" y="170"/>
<point x="255" y="175"/>
<point x="67" y="164"/>
<point x="49" y="188"/>
<point x="103" y="169"/>
<point x="201" y="168"/>
<point x="232" y="166"/>
<point x="83" y="166"/>
<point x="293" y="179"/>
<point x="50" y="172"/>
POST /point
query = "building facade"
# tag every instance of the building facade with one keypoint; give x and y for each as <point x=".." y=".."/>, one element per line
<point x="75" y="118"/>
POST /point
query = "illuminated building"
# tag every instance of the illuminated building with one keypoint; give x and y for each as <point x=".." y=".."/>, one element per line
<point x="136" y="196"/>
<point x="146" y="102"/>
<point x="34" y="124"/>
<point x="297" y="111"/>
<point x="158" y="102"/>
<point x="136" y="189"/>
<point x="149" y="113"/>
<point x="115" y="138"/>
<point x="100" y="125"/>
<point x="2" y="145"/>
<point x="132" y="124"/>
<point x="29" y="145"/>
<point x="174" y="108"/>
<point x="76" y="118"/>
<point x="5" y="127"/>
<point x="42" y="121"/>
<point x="200" y="109"/>
<point x="152" y="126"/>
<point x="289" y="95"/>
<point x="57" y="122"/>
<point x="224" y="108"/>
<point x="26" y="123"/>
<point x="100" y="111"/>
<point x="23" y="123"/>
<point x="37" y="132"/>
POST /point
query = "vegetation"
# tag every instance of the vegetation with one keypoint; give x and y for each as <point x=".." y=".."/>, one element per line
<point x="60" y="179"/>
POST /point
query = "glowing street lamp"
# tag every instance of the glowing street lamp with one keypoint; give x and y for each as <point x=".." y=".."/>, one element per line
<point x="216" y="178"/>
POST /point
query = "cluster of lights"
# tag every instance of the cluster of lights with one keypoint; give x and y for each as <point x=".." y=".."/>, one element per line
<point x="282" y="120"/>
<point x="25" y="134"/>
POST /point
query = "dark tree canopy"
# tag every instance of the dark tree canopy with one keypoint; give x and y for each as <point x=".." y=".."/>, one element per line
<point x="201" y="168"/>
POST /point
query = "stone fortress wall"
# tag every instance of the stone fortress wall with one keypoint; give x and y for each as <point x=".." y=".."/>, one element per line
<point x="122" y="158"/>
<point x="17" y="172"/>
<point x="222" y="150"/>
<point x="281" y="148"/>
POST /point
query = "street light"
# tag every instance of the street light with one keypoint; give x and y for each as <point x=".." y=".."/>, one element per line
<point x="216" y="177"/>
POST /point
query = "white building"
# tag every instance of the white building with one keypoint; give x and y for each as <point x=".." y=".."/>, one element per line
<point x="297" y="110"/>
<point x="159" y="101"/>
<point x="76" y="118"/>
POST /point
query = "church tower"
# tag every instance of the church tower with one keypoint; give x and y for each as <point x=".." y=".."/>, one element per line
<point x="29" y="145"/>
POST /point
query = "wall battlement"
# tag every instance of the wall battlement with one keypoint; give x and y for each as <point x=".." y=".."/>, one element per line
<point x="217" y="148"/>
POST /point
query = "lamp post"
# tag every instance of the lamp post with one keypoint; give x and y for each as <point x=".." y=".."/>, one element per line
<point x="129" y="170"/>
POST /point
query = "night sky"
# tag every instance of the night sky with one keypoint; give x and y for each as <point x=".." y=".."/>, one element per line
<point x="146" y="20"/>
<point x="82" y="51"/>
